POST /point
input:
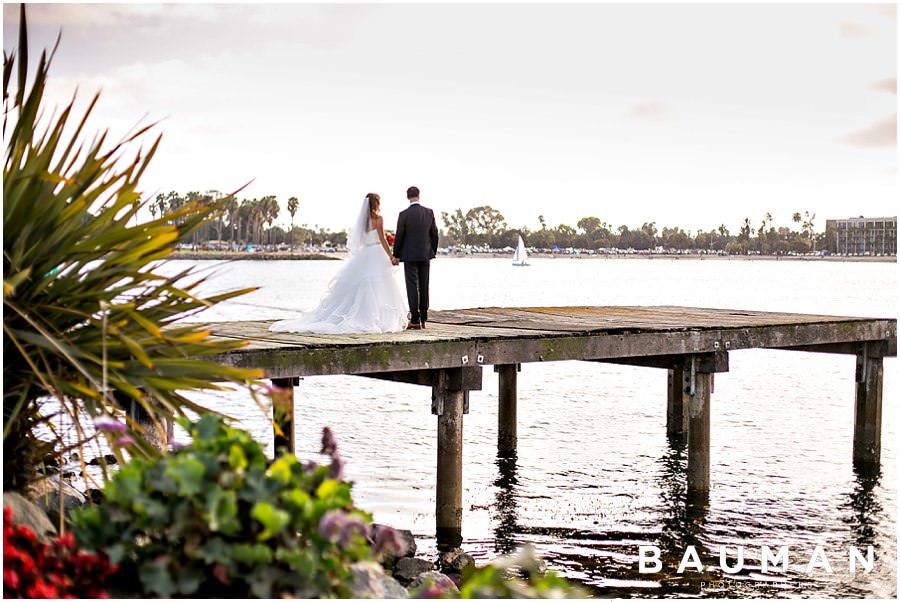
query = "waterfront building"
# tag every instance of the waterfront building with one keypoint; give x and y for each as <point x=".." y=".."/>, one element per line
<point x="862" y="236"/>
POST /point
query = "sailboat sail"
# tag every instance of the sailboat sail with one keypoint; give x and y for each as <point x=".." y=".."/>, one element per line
<point x="521" y="255"/>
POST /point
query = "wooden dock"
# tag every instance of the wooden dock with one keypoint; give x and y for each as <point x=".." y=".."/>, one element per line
<point x="691" y="343"/>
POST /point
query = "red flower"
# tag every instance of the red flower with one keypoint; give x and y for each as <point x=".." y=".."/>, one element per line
<point x="33" y="569"/>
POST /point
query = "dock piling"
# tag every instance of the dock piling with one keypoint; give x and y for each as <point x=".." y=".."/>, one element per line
<point x="698" y="374"/>
<point x="507" y="440"/>
<point x="697" y="389"/>
<point x="283" y="414"/>
<point x="867" y="417"/>
<point x="448" y="491"/>
<point x="676" y="413"/>
<point x="158" y="430"/>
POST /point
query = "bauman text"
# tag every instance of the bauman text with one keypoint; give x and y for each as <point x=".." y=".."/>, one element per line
<point x="649" y="562"/>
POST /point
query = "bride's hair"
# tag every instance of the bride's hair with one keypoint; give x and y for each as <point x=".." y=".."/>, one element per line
<point x="374" y="203"/>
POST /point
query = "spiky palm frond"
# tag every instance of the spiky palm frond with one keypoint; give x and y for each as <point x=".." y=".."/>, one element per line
<point x="86" y="309"/>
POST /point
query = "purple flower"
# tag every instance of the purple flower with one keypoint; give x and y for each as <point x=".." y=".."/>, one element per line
<point x="388" y="540"/>
<point x="352" y="524"/>
<point x="125" y="440"/>
<point x="329" y="445"/>
<point x="310" y="466"/>
<point x="336" y="471"/>
<point x="331" y="523"/>
<point x="108" y="425"/>
<point x="339" y="527"/>
<point x="176" y="445"/>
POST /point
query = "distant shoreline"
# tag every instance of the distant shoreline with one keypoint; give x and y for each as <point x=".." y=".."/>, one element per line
<point x="239" y="256"/>
<point x="287" y="256"/>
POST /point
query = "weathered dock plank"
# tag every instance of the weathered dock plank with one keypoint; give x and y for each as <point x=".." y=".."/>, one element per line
<point x="498" y="336"/>
<point x="691" y="343"/>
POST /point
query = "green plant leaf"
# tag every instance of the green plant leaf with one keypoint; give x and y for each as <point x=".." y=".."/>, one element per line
<point x="273" y="519"/>
<point x="251" y="553"/>
<point x="222" y="508"/>
<point x="237" y="459"/>
<point x="156" y="578"/>
<point x="187" y="473"/>
<point x="281" y="469"/>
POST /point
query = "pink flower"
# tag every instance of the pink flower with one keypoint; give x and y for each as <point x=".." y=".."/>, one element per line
<point x="329" y="445"/>
<point x="388" y="540"/>
<point x="126" y="440"/>
<point x="336" y="471"/>
<point x="109" y="425"/>
<point x="330" y="525"/>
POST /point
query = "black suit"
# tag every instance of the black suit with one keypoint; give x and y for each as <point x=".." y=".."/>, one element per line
<point x="415" y="244"/>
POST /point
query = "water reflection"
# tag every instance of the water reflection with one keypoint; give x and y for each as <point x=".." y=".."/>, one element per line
<point x="865" y="509"/>
<point x="684" y="517"/>
<point x="506" y="503"/>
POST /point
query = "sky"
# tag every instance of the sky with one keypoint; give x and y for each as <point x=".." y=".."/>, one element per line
<point x="684" y="115"/>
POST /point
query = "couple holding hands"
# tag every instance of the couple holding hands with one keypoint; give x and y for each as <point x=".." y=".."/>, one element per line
<point x="363" y="296"/>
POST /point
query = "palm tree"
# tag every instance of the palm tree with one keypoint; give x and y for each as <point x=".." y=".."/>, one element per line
<point x="292" y="205"/>
<point x="86" y="312"/>
<point x="231" y="207"/>
<point x="270" y="209"/>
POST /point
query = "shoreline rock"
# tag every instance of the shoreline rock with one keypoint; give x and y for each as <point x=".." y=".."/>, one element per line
<point x="28" y="514"/>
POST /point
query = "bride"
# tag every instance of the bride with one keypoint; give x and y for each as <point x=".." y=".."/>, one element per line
<point x="363" y="296"/>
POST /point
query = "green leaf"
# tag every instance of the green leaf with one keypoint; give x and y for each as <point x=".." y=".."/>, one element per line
<point x="273" y="519"/>
<point x="187" y="473"/>
<point x="156" y="578"/>
<point x="251" y="553"/>
<point x="296" y="497"/>
<point x="221" y="511"/>
<point x="281" y="469"/>
<point x="189" y="580"/>
<point x="215" y="551"/>
<point x="237" y="459"/>
<point x="327" y="489"/>
<point x="126" y="485"/>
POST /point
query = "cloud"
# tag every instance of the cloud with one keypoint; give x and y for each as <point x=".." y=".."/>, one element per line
<point x="650" y="111"/>
<point x="878" y="135"/>
<point x="855" y="30"/>
<point x="885" y="85"/>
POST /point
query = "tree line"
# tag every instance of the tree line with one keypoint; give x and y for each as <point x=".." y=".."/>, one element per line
<point x="248" y="221"/>
<point x="485" y="226"/>
<point x="252" y="221"/>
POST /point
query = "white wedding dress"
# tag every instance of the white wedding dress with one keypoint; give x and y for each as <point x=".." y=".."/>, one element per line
<point x="362" y="297"/>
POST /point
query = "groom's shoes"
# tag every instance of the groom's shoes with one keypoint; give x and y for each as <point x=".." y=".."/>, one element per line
<point x="415" y="326"/>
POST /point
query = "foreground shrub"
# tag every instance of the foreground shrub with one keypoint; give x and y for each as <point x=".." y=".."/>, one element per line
<point x="216" y="519"/>
<point x="32" y="569"/>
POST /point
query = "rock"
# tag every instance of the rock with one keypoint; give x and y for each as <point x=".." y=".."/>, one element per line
<point x="455" y="561"/>
<point x="366" y="580"/>
<point x="409" y="541"/>
<point x="392" y="588"/>
<point x="407" y="569"/>
<point x="45" y="493"/>
<point x="28" y="514"/>
<point x="95" y="495"/>
<point x="108" y="458"/>
<point x="433" y="580"/>
<point x="369" y="581"/>
<point x="456" y="578"/>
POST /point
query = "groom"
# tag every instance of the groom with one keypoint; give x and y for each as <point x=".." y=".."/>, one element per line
<point x="415" y="244"/>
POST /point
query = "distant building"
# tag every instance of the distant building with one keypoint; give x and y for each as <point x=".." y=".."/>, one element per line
<point x="862" y="236"/>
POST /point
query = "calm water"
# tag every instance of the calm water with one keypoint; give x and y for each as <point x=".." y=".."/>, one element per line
<point x="595" y="476"/>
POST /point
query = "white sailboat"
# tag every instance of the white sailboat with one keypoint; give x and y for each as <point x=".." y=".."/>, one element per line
<point x="521" y="255"/>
